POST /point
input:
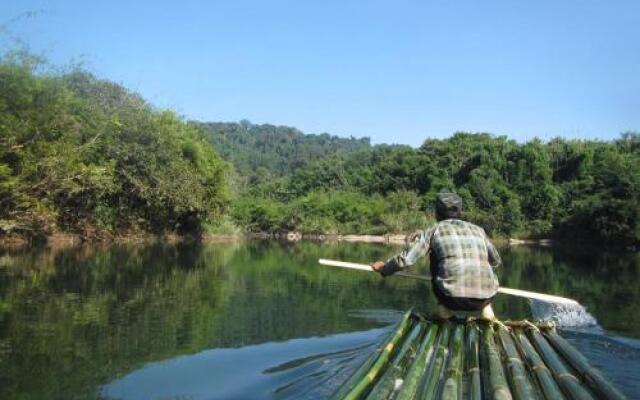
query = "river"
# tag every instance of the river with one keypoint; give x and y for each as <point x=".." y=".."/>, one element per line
<point x="260" y="320"/>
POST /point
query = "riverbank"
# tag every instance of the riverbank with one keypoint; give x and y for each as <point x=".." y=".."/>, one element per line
<point x="397" y="238"/>
<point x="62" y="240"/>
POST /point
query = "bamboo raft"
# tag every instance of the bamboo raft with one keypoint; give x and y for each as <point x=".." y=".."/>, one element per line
<point x="475" y="360"/>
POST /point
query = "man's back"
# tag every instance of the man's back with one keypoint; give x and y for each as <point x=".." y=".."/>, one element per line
<point x="461" y="259"/>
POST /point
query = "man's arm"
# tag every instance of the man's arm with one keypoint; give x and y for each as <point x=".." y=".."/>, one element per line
<point x="494" y="256"/>
<point x="407" y="257"/>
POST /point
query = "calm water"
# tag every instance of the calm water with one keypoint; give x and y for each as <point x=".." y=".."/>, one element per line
<point x="256" y="320"/>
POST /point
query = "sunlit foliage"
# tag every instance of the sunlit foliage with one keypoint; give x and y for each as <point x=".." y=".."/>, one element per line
<point x="86" y="155"/>
<point x="567" y="188"/>
<point x="80" y="154"/>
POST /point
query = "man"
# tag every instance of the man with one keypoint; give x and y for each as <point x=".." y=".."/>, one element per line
<point x="462" y="260"/>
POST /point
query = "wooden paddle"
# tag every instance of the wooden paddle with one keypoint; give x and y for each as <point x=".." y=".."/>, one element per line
<point x="513" y="292"/>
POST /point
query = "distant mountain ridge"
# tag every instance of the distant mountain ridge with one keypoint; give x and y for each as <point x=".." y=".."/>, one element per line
<point x="262" y="150"/>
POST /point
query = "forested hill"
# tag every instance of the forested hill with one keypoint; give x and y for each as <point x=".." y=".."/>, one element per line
<point x="261" y="151"/>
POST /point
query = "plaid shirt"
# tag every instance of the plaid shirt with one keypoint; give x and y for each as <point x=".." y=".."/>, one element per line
<point x="462" y="259"/>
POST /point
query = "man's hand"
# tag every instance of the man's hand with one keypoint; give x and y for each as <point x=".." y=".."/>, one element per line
<point x="413" y="236"/>
<point x="377" y="266"/>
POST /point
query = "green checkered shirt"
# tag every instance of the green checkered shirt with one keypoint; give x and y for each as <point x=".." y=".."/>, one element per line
<point x="463" y="255"/>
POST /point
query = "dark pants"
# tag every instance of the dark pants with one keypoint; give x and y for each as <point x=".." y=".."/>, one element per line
<point x="454" y="303"/>
<point x="460" y="303"/>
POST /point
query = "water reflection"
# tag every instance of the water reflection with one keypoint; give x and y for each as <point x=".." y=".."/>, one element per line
<point x="100" y="322"/>
<point x="298" y="368"/>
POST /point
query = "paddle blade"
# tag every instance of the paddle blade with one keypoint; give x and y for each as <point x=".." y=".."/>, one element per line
<point x="537" y="296"/>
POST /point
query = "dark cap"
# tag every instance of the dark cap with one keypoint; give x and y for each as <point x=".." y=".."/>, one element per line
<point x="448" y="205"/>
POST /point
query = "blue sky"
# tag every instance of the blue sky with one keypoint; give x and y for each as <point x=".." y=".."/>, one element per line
<point x="397" y="71"/>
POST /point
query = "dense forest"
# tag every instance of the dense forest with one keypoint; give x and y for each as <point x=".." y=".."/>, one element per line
<point x="84" y="155"/>
<point x="263" y="152"/>
<point x="79" y="154"/>
<point x="573" y="188"/>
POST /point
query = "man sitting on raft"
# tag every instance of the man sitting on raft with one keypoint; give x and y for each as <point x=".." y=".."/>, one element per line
<point x="461" y="258"/>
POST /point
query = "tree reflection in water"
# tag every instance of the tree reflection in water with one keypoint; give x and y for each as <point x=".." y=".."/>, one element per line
<point x="75" y="319"/>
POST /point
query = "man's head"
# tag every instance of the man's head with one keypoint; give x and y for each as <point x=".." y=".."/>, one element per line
<point x="448" y="205"/>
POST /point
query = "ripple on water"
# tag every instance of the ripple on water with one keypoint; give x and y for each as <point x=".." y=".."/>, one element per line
<point x="617" y="358"/>
<point x="307" y="368"/>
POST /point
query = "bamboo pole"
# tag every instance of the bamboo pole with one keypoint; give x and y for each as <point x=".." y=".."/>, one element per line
<point x="452" y="389"/>
<point x="591" y="375"/>
<point x="385" y="386"/>
<point x="567" y="381"/>
<point x="547" y="384"/>
<point x="522" y="388"/>
<point x="542" y="325"/>
<point x="498" y="387"/>
<point x="503" y="290"/>
<point x="429" y="389"/>
<point x="417" y="370"/>
<point x="431" y="358"/>
<point x="473" y="363"/>
<point x="365" y="379"/>
<point x="357" y="375"/>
